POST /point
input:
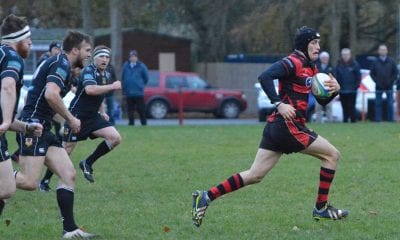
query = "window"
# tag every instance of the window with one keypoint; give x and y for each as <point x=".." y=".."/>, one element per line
<point x="195" y="82"/>
<point x="175" y="82"/>
<point x="154" y="79"/>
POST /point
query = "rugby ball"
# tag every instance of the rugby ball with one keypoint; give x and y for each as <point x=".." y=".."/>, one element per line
<point x="318" y="88"/>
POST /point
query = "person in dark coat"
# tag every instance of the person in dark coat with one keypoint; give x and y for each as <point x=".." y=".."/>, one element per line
<point x="347" y="73"/>
<point x="384" y="73"/>
<point x="134" y="78"/>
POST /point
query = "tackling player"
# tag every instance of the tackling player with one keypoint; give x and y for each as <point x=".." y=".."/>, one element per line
<point x="286" y="131"/>
<point x="51" y="82"/>
<point x="88" y="106"/>
<point x="15" y="45"/>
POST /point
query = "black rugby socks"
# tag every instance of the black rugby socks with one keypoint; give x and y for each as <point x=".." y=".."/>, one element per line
<point x="229" y="185"/>
<point x="47" y="176"/>
<point x="325" y="180"/>
<point x="101" y="150"/>
<point x="2" y="203"/>
<point x="65" y="199"/>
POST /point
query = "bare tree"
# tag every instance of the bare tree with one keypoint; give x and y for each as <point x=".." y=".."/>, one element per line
<point x="353" y="26"/>
<point x="87" y="17"/>
<point x="334" y="37"/>
<point x="116" y="35"/>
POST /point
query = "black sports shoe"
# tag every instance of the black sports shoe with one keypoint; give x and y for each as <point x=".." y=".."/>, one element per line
<point x="87" y="171"/>
<point x="44" y="186"/>
<point x="200" y="205"/>
<point x="329" y="212"/>
<point x="2" y="203"/>
<point x="78" y="234"/>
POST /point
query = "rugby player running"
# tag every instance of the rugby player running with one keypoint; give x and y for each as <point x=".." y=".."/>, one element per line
<point x="51" y="81"/>
<point x="285" y="131"/>
<point x="15" y="45"/>
<point x="88" y="106"/>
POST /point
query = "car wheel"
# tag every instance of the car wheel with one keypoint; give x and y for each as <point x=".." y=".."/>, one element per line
<point x="230" y="109"/>
<point x="158" y="109"/>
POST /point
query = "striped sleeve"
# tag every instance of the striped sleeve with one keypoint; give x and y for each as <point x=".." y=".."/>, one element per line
<point x="12" y="67"/>
<point x="59" y="74"/>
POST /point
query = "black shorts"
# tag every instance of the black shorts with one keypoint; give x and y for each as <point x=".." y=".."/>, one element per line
<point x="4" y="154"/>
<point x="286" y="136"/>
<point x="37" y="146"/>
<point x="88" y="126"/>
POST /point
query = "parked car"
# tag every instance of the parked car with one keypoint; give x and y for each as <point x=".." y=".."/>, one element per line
<point x="265" y="107"/>
<point x="164" y="89"/>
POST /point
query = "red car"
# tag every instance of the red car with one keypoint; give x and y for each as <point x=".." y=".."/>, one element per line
<point x="162" y="95"/>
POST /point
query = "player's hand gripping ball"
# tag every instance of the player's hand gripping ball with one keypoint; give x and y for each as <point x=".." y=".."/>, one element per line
<point x="318" y="89"/>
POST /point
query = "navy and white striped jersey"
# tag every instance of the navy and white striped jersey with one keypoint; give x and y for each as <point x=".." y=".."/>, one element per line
<point x="11" y="65"/>
<point x="56" y="69"/>
<point x="86" y="106"/>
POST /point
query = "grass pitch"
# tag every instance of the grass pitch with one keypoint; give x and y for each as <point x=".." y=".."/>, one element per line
<point x="143" y="188"/>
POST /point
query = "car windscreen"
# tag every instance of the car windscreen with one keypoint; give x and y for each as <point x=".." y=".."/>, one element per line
<point x="154" y="79"/>
<point x="195" y="82"/>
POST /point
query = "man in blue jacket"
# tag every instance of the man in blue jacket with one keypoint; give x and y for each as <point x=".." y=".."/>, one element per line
<point x="384" y="73"/>
<point x="347" y="73"/>
<point x="134" y="78"/>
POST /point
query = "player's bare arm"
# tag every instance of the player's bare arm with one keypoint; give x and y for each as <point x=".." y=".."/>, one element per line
<point x="34" y="128"/>
<point x="102" y="111"/>
<point x="8" y="98"/>
<point x="95" y="90"/>
<point x="55" y="101"/>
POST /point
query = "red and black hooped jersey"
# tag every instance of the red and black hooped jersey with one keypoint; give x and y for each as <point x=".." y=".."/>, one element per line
<point x="294" y="74"/>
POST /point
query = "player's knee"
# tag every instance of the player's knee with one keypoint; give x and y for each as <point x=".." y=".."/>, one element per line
<point x="71" y="175"/>
<point x="117" y="140"/>
<point x="29" y="185"/>
<point x="114" y="140"/>
<point x="334" y="155"/>
<point x="7" y="192"/>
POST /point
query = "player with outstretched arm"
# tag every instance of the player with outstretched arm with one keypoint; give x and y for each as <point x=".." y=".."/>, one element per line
<point x="87" y="105"/>
<point x="285" y="131"/>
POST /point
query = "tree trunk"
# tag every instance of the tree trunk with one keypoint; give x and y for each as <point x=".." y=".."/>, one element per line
<point x="334" y="37"/>
<point x="353" y="26"/>
<point x="116" y="36"/>
<point x="87" y="17"/>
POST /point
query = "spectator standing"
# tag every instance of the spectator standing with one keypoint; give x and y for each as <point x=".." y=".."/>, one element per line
<point x="324" y="66"/>
<point x="398" y="99"/>
<point x="347" y="73"/>
<point x="54" y="49"/>
<point x="134" y="78"/>
<point x="384" y="73"/>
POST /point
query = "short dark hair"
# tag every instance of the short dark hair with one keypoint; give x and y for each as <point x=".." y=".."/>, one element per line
<point x="74" y="39"/>
<point x="12" y="23"/>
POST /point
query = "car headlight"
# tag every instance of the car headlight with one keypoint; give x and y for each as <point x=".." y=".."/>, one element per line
<point x="219" y="96"/>
<point x="244" y="96"/>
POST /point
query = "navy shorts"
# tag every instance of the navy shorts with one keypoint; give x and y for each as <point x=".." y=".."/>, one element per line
<point x="37" y="146"/>
<point x="4" y="154"/>
<point x="286" y="136"/>
<point x="88" y="126"/>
